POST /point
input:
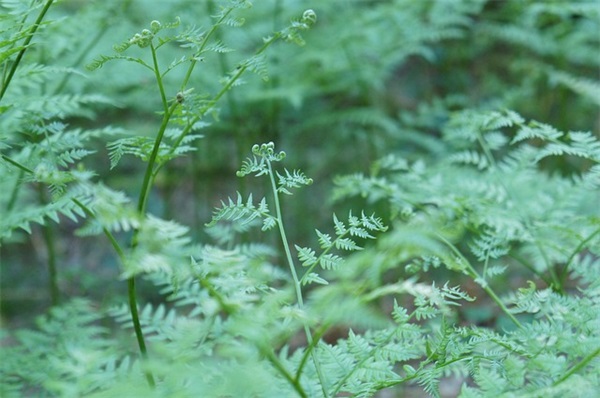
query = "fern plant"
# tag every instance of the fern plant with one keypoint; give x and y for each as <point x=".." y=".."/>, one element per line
<point x="184" y="110"/>
<point x="484" y="284"/>
<point x="484" y="209"/>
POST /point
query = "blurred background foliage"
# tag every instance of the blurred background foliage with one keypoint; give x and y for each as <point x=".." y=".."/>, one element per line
<point x="376" y="77"/>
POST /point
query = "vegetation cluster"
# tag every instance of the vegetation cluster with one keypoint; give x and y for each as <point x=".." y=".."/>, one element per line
<point x="363" y="198"/>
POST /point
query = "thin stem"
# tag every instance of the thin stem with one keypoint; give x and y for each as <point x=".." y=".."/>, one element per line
<point x="475" y="275"/>
<point x="230" y="310"/>
<point x="530" y="267"/>
<point x="15" y="65"/>
<point x="146" y="184"/>
<point x="203" y="111"/>
<point x="578" y="367"/>
<point x="279" y="366"/>
<point x="130" y="291"/>
<point x="297" y="286"/>
<point x="137" y="326"/>
<point x="17" y="164"/>
<point x="308" y="352"/>
<point x="49" y="240"/>
<point x="208" y="35"/>
<point x="286" y="247"/>
<point x="240" y="71"/>
<point x="563" y="272"/>
<point x="159" y="81"/>
<point x="15" y="191"/>
<point x="108" y="234"/>
<point x="143" y="198"/>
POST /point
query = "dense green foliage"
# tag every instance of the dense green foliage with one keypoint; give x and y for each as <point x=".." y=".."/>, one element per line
<point x="432" y="227"/>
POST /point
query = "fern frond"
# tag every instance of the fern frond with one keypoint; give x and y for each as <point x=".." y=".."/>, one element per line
<point x="253" y="166"/>
<point x="24" y="217"/>
<point x="585" y="87"/>
<point x="582" y="144"/>
<point x="291" y="180"/>
<point x="101" y="60"/>
<point x="357" y="227"/>
<point x="162" y="246"/>
<point x="244" y="212"/>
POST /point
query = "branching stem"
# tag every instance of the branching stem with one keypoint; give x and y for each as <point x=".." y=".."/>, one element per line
<point x="30" y="35"/>
<point x="297" y="285"/>
<point x="475" y="275"/>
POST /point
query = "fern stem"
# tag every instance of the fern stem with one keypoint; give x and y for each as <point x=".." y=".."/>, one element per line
<point x="309" y="349"/>
<point x="530" y="267"/>
<point x="359" y="364"/>
<point x="146" y="184"/>
<point x="230" y="310"/>
<point x="578" y="367"/>
<point x="212" y="30"/>
<point x="32" y="31"/>
<point x="297" y="286"/>
<point x="137" y="326"/>
<point x="130" y="292"/>
<point x="108" y="234"/>
<point x="582" y="244"/>
<point x="17" y="164"/>
<point x="15" y="192"/>
<point x="131" y="281"/>
<point x="49" y="240"/>
<point x="475" y="275"/>
<point x="240" y="71"/>
<point x="159" y="81"/>
<point x="143" y="198"/>
<point x="279" y="366"/>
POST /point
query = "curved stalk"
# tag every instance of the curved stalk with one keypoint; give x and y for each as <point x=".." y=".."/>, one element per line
<point x="475" y="275"/>
<point x="297" y="286"/>
<point x="15" y="65"/>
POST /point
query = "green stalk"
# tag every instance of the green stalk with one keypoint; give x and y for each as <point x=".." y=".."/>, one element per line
<point x="216" y="98"/>
<point x="212" y="30"/>
<point x="578" y="367"/>
<point x="143" y="198"/>
<point x="131" y="293"/>
<point x="147" y="183"/>
<point x="279" y="366"/>
<point x="17" y="164"/>
<point x="15" y="65"/>
<point x="266" y="351"/>
<point x="131" y="282"/>
<point x="161" y="88"/>
<point x="308" y="352"/>
<point x="564" y="271"/>
<point x="475" y="275"/>
<point x="49" y="240"/>
<point x="15" y="192"/>
<point x="297" y="286"/>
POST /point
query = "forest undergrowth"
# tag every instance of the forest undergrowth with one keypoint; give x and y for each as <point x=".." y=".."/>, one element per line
<point x="299" y="199"/>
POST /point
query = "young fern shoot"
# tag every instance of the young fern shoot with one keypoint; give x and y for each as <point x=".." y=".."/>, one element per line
<point x="247" y="211"/>
<point x="184" y="111"/>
